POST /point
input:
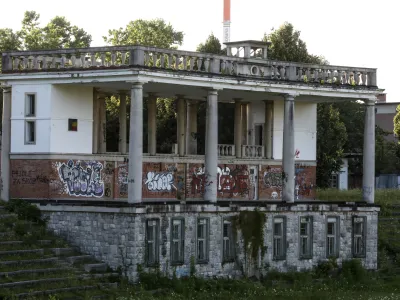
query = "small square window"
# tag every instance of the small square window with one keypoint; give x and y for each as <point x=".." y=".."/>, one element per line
<point x="279" y="238"/>
<point x="72" y="124"/>
<point x="228" y="245"/>
<point x="152" y="242"/>
<point x="306" y="227"/>
<point x="202" y="240"/>
<point x="177" y="241"/>
<point x="30" y="105"/>
<point x="359" y="235"/>
<point x="332" y="237"/>
<point x="30" y="132"/>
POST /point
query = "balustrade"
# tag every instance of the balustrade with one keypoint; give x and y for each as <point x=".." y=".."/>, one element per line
<point x="150" y="57"/>
<point x="253" y="151"/>
<point x="226" y="150"/>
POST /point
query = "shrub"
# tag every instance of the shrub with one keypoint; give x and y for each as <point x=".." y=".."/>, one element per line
<point x="353" y="270"/>
<point x="25" y="211"/>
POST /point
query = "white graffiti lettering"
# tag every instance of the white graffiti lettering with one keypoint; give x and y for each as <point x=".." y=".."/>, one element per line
<point x="160" y="181"/>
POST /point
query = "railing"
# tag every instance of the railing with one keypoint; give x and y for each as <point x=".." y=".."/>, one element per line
<point x="150" y="57"/>
<point x="253" y="151"/>
<point x="226" y="150"/>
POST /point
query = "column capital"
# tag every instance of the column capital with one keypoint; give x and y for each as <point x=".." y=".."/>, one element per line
<point x="137" y="85"/>
<point x="6" y="88"/>
<point x="290" y="97"/>
<point x="370" y="101"/>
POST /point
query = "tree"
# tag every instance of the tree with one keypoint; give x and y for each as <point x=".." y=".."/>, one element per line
<point x="396" y="122"/>
<point x="211" y="45"/>
<point x="331" y="138"/>
<point x="156" y="33"/>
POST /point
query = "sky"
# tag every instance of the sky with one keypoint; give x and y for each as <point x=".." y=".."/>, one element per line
<point x="356" y="33"/>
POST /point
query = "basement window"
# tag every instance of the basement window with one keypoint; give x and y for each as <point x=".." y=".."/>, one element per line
<point x="30" y="105"/>
<point x="152" y="242"/>
<point x="177" y="241"/>
<point x="30" y="132"/>
<point x="359" y="235"/>
<point x="332" y="237"/>
<point x="72" y="124"/>
<point x="306" y="228"/>
<point x="279" y="238"/>
<point x="202" y="239"/>
<point x="228" y="253"/>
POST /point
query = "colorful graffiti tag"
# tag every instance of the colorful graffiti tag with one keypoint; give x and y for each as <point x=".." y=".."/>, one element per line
<point x="163" y="181"/>
<point x="82" y="178"/>
<point x="231" y="182"/>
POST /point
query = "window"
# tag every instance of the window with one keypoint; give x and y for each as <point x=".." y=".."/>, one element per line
<point x="279" y="236"/>
<point x="30" y="130"/>
<point x="177" y="241"/>
<point x="359" y="230"/>
<point x="306" y="228"/>
<point x="334" y="181"/>
<point x="332" y="237"/>
<point x="228" y="254"/>
<point x="202" y="240"/>
<point x="72" y="124"/>
<point x="152" y="241"/>
<point x="30" y="105"/>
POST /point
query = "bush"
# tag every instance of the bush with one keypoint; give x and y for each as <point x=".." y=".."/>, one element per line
<point x="353" y="271"/>
<point x="25" y="211"/>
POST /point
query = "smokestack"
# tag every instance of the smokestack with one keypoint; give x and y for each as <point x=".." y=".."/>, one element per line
<point x="227" y="21"/>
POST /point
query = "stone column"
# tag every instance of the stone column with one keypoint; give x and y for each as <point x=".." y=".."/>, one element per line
<point x="152" y="124"/>
<point x="288" y="150"/>
<point x="211" y="157"/>
<point x="238" y="128"/>
<point x="102" y="122"/>
<point x="122" y="122"/>
<point x="369" y="152"/>
<point x="135" y="171"/>
<point x="244" y="124"/>
<point x="181" y="125"/>
<point x="96" y="123"/>
<point x="269" y="107"/>
<point x="191" y="129"/>
<point x="6" y="145"/>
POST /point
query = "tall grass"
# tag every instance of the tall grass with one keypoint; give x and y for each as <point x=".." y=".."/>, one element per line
<point x="382" y="196"/>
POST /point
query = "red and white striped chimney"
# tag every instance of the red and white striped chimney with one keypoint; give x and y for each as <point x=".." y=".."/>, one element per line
<point x="227" y="21"/>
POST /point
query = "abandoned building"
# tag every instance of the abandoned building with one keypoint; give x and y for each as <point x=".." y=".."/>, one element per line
<point x="159" y="210"/>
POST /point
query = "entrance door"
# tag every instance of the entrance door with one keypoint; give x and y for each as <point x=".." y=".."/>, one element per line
<point x="259" y="134"/>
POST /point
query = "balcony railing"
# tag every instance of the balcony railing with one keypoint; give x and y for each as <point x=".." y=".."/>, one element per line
<point x="252" y="151"/>
<point x="226" y="150"/>
<point x="98" y="58"/>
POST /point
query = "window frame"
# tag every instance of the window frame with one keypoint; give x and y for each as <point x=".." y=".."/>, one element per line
<point x="156" y="243"/>
<point x="336" y="236"/>
<point x="231" y="257"/>
<point x="181" y="259"/>
<point x="282" y="256"/>
<point x="28" y="105"/>
<point x="26" y="135"/>
<point x="206" y="240"/>
<point x="308" y="235"/>
<point x="363" y="235"/>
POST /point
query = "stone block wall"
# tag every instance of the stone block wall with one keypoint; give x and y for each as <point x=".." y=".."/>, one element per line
<point x="117" y="236"/>
<point x="107" y="179"/>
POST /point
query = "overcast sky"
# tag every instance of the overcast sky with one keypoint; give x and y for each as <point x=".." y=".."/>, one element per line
<point x="355" y="33"/>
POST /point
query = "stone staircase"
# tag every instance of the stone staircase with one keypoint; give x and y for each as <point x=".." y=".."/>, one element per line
<point x="35" y="264"/>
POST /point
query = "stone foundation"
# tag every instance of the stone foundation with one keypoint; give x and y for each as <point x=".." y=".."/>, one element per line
<point x="118" y="236"/>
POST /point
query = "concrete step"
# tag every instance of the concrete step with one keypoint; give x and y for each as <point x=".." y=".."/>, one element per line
<point x="31" y="282"/>
<point x="98" y="276"/>
<point x="29" y="261"/>
<point x="11" y="243"/>
<point x="37" y="271"/>
<point x="16" y="252"/>
<point x="79" y="258"/>
<point x="62" y="251"/>
<point x="101" y="267"/>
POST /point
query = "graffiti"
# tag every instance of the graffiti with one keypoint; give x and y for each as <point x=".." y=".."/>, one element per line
<point x="27" y="177"/>
<point x="303" y="185"/>
<point x="82" y="182"/>
<point x="170" y="168"/>
<point x="273" y="178"/>
<point x="109" y="170"/>
<point x="123" y="180"/>
<point x="230" y="183"/>
<point x="107" y="192"/>
<point x="367" y="191"/>
<point x="157" y="182"/>
<point x="194" y="135"/>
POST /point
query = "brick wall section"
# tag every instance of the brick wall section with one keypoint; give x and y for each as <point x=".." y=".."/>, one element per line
<point x="107" y="180"/>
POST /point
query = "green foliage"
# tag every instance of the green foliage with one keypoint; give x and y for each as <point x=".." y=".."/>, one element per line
<point x="396" y="122"/>
<point x="156" y="33"/>
<point x="25" y="211"/>
<point x="387" y="154"/>
<point x="353" y="270"/>
<point x="211" y="45"/>
<point x="331" y="138"/>
<point x="286" y="45"/>
<point x="251" y="225"/>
